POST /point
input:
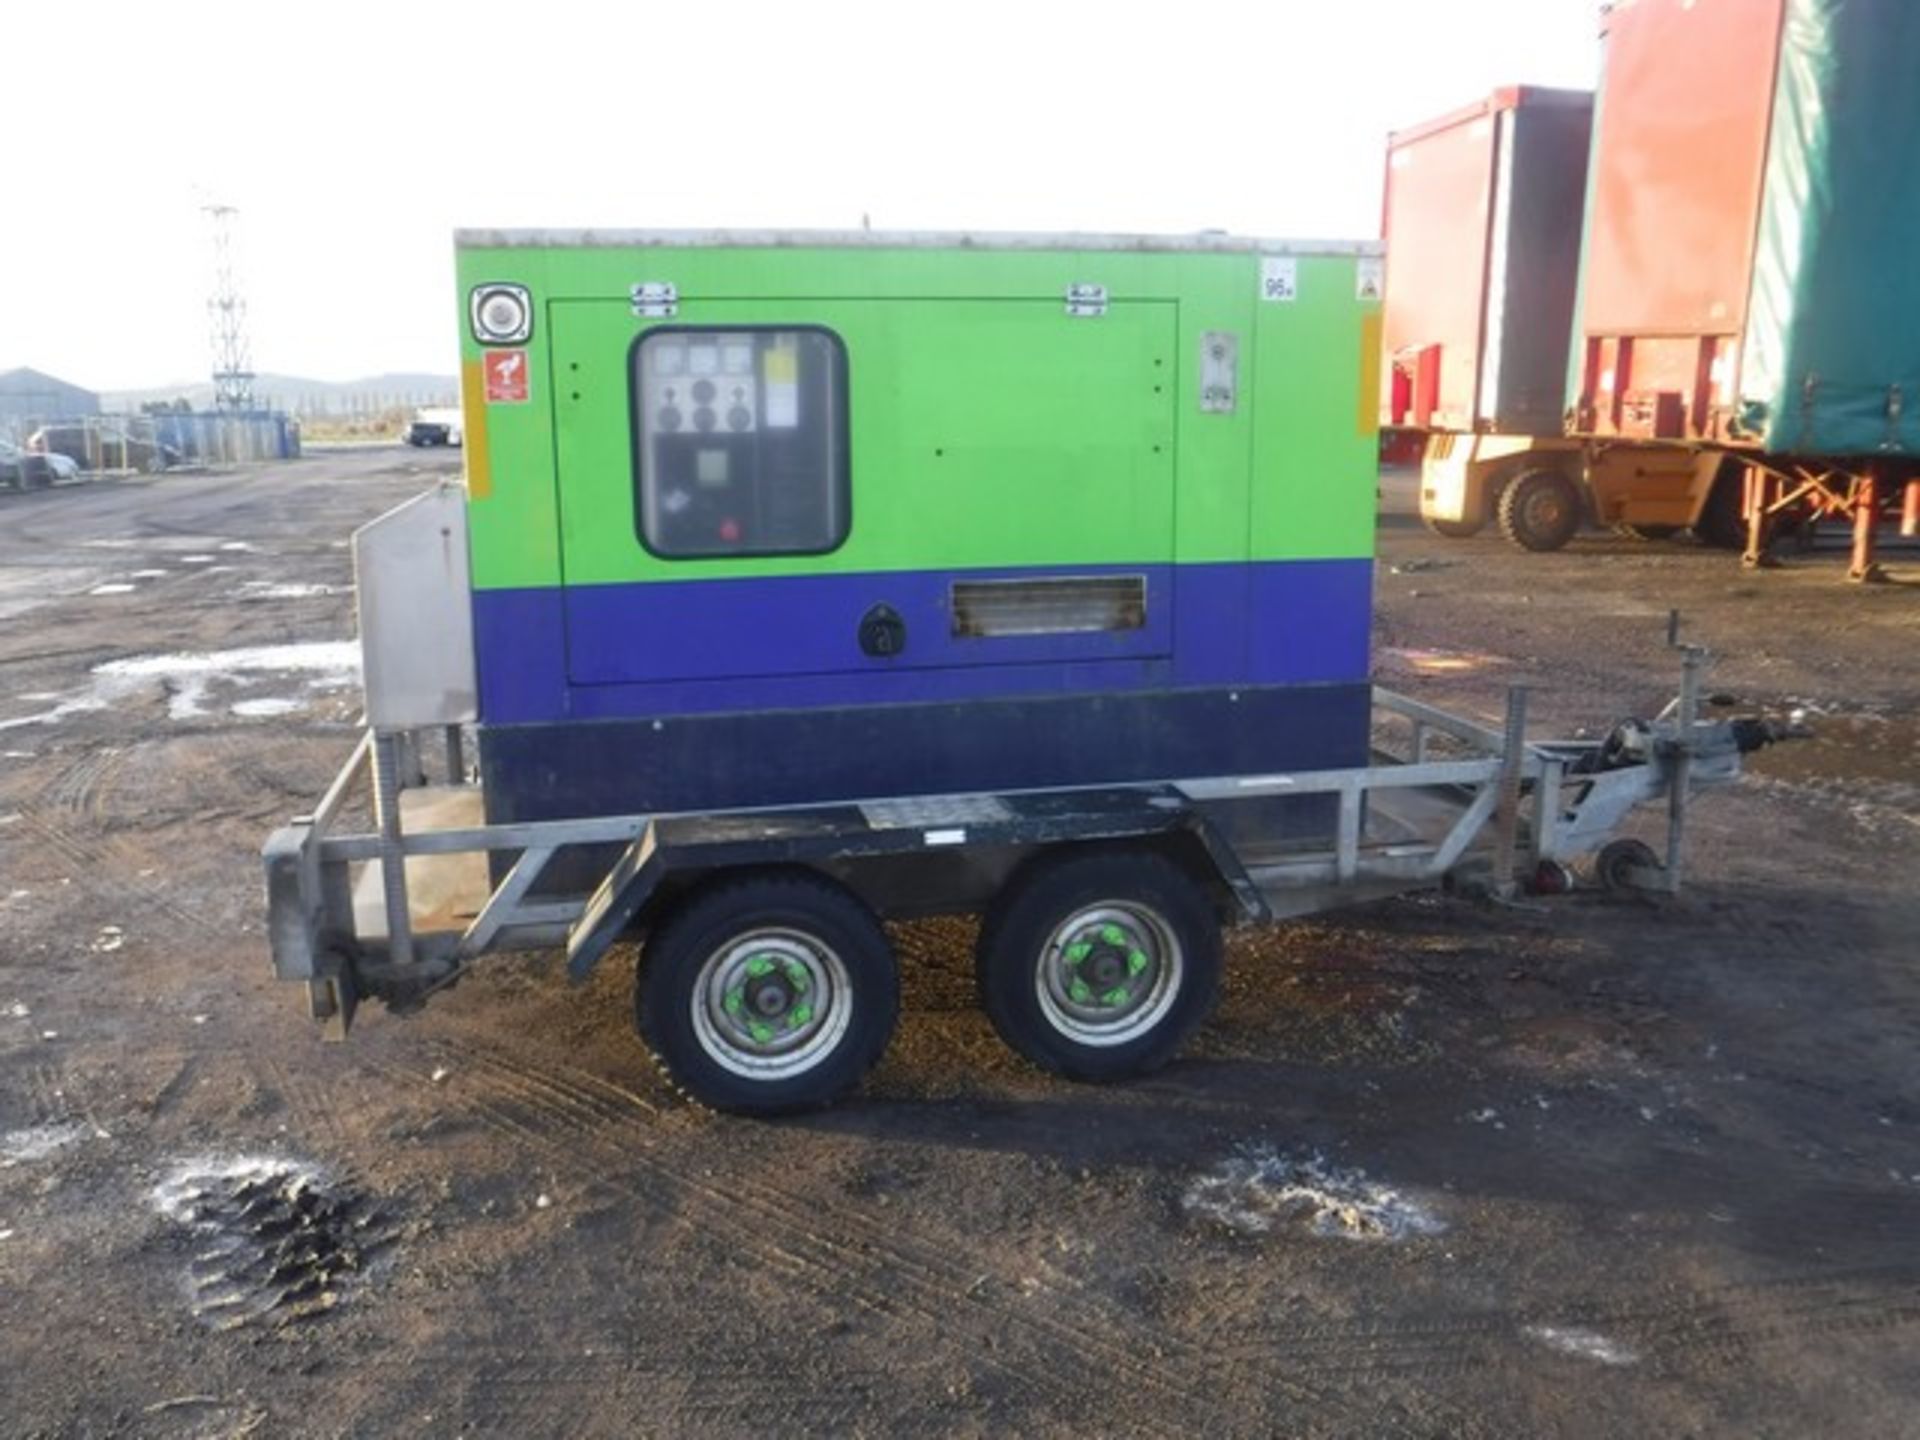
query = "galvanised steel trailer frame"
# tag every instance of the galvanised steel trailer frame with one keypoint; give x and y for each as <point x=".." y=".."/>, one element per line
<point x="1453" y="802"/>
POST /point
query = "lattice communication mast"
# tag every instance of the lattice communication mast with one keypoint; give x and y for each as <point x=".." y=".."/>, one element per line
<point x="227" y="314"/>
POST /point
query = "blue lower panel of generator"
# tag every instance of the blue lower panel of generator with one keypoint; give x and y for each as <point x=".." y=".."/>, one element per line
<point x="782" y="643"/>
<point x="793" y="757"/>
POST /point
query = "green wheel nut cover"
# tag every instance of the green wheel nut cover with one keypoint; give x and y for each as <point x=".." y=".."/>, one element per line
<point x="1136" y="962"/>
<point x="759" y="965"/>
<point x="1115" y="996"/>
<point x="735" y="998"/>
<point x="1080" y="992"/>
<point x="1078" y="951"/>
<point x="762" y="1033"/>
<point x="1113" y="935"/>
<point x="799" y="1016"/>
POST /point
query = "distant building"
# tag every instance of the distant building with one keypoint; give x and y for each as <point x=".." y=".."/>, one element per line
<point x="30" y="395"/>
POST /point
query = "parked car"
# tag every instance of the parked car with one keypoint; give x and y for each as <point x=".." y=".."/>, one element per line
<point x="95" y="447"/>
<point x="24" y="470"/>
<point x="433" y="425"/>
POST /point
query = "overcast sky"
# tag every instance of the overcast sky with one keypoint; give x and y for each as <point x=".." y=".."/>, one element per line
<point x="356" y="137"/>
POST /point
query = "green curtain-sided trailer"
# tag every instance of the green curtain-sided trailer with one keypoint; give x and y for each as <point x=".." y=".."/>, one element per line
<point x="799" y="582"/>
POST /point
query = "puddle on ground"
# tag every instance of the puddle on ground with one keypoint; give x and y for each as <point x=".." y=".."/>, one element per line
<point x="282" y="590"/>
<point x="266" y="707"/>
<point x="274" y="1240"/>
<point x="189" y="677"/>
<point x="1260" y="1188"/>
<point x="1433" y="662"/>
<point x="116" y="588"/>
<point x="1584" y="1344"/>
<point x="38" y="1142"/>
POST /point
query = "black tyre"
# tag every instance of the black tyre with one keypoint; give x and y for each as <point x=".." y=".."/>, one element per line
<point x="1721" y="524"/>
<point x="1540" y="510"/>
<point x="1617" y="858"/>
<point x="1454" y="529"/>
<point x="769" y="993"/>
<point x="1097" y="966"/>
<point x="1646" y="532"/>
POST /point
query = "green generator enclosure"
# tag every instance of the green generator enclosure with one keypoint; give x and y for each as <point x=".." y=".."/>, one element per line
<point x="770" y="518"/>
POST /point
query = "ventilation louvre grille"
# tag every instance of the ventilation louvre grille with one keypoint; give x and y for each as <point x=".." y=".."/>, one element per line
<point x="1052" y="605"/>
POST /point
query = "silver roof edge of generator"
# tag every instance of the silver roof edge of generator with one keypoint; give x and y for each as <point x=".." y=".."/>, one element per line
<point x="1199" y="242"/>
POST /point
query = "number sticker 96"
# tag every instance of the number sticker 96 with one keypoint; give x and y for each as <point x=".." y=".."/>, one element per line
<point x="1278" y="277"/>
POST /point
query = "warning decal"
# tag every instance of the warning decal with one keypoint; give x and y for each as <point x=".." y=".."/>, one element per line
<point x="1279" y="275"/>
<point x="1370" y="282"/>
<point x="506" y="377"/>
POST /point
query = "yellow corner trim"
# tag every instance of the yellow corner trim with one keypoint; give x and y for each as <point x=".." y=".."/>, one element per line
<point x="473" y="427"/>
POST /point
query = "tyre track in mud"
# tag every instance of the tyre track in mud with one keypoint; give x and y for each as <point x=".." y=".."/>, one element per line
<point x="872" y="1265"/>
<point x="524" y="1393"/>
<point x="1721" y="1325"/>
<point x="106" y="862"/>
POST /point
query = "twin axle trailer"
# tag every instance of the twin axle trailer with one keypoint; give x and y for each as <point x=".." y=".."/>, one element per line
<point x="804" y="582"/>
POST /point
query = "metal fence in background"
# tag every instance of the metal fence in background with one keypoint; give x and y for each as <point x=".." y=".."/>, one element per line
<point x="149" y="443"/>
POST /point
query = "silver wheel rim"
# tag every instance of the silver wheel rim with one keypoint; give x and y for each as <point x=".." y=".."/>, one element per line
<point x="1109" y="973"/>
<point x="771" y="1004"/>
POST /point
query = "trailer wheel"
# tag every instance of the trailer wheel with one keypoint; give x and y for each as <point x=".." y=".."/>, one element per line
<point x="1617" y="859"/>
<point x="1097" y="966"/>
<point x="1540" y="510"/>
<point x="768" y="994"/>
<point x="1722" y="523"/>
<point x="1454" y="529"/>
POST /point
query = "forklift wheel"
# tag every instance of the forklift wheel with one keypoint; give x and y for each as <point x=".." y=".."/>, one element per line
<point x="1617" y="858"/>
<point x="769" y="993"/>
<point x="1097" y="966"/>
<point x="1540" y="510"/>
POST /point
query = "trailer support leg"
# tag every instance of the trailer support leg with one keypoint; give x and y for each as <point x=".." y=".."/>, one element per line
<point x="1512" y="762"/>
<point x="1760" y="488"/>
<point x="393" y="861"/>
<point x="1680" y="778"/>
<point x="456" y="756"/>
<point x="1866" y="519"/>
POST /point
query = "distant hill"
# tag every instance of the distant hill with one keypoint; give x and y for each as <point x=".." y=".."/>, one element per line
<point x="303" y="396"/>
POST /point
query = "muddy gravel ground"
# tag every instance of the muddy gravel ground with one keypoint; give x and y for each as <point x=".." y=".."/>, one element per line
<point x="1599" y="1166"/>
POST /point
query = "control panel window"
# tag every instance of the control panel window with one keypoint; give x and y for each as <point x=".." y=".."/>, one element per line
<point x="742" y="446"/>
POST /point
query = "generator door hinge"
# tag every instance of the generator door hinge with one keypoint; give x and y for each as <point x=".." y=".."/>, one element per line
<point x="655" y="299"/>
<point x="1086" y="300"/>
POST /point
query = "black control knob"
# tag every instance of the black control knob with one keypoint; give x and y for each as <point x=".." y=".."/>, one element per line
<point x="882" y="632"/>
<point x="703" y="392"/>
<point x="668" y="419"/>
<point x="704" y="419"/>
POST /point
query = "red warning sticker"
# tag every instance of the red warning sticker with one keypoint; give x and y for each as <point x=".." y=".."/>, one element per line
<point x="506" y="377"/>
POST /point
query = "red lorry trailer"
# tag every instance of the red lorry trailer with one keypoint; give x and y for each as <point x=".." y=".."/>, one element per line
<point x="1482" y="222"/>
<point x="1745" y="322"/>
